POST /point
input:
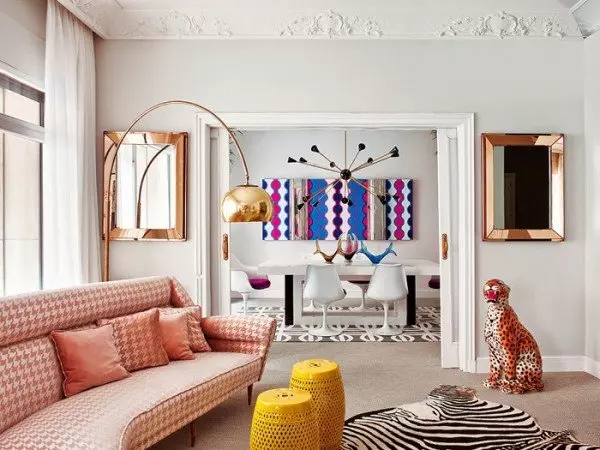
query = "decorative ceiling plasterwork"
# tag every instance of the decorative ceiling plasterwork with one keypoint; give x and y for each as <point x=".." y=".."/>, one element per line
<point x="501" y="25"/>
<point x="174" y="24"/>
<point x="331" y="24"/>
<point x="110" y="20"/>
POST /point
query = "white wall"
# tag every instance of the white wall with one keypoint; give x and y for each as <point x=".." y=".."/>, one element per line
<point x="524" y="85"/>
<point x="592" y="160"/>
<point x="22" y="39"/>
<point x="267" y="153"/>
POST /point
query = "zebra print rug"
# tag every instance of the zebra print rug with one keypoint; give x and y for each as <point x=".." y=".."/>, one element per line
<point x="452" y="417"/>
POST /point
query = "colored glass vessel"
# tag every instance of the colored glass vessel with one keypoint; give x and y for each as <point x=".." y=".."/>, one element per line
<point x="376" y="259"/>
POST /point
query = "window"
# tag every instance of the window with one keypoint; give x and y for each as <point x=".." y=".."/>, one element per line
<point x="21" y="135"/>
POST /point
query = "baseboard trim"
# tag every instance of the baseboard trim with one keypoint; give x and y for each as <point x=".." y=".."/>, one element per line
<point x="592" y="367"/>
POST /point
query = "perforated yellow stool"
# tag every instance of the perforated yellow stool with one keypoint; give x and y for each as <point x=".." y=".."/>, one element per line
<point x="284" y="419"/>
<point x="322" y="378"/>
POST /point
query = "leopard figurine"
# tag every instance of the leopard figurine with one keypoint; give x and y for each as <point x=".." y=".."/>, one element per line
<point x="515" y="360"/>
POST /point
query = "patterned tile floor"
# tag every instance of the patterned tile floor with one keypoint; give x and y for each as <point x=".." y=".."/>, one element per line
<point x="427" y="328"/>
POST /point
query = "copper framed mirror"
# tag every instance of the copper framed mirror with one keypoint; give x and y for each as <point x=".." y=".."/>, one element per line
<point x="148" y="184"/>
<point x="523" y="187"/>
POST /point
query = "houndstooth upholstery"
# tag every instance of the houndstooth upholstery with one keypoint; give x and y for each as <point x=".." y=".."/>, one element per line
<point x="30" y="379"/>
<point x="251" y="335"/>
<point x="197" y="340"/>
<point x="137" y="411"/>
<point x="31" y="315"/>
<point x="138" y="338"/>
<point x="33" y="413"/>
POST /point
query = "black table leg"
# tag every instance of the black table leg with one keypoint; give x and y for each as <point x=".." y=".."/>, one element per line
<point x="289" y="300"/>
<point x="411" y="301"/>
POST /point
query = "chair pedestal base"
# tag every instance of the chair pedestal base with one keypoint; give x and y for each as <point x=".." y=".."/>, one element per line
<point x="324" y="331"/>
<point x="386" y="330"/>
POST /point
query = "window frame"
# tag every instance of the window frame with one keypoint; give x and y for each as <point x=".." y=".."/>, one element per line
<point x="22" y="128"/>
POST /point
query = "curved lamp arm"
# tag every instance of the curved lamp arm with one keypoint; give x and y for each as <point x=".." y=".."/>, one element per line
<point x="244" y="203"/>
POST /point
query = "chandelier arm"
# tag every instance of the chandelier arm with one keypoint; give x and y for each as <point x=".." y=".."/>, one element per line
<point x="375" y="161"/>
<point x="323" y="194"/>
<point x="366" y="188"/>
<point x="332" y="162"/>
<point x="322" y="189"/>
<point x="108" y="195"/>
<point x="306" y="163"/>
<point x="354" y="159"/>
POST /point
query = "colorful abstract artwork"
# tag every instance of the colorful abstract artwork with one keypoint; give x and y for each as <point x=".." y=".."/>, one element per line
<point x="278" y="229"/>
<point x="399" y="222"/>
<point x="327" y="216"/>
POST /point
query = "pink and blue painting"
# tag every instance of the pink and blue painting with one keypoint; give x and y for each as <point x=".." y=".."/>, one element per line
<point x="327" y="216"/>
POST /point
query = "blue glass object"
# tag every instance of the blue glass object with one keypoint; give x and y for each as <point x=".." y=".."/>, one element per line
<point x="376" y="259"/>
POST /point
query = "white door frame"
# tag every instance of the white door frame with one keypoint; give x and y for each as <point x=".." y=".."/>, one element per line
<point x="456" y="144"/>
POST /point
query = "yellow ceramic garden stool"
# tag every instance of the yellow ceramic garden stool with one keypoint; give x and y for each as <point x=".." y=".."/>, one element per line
<point x="284" y="419"/>
<point x="322" y="378"/>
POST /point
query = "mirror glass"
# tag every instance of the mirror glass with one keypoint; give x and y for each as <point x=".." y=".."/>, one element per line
<point x="523" y="179"/>
<point x="146" y="186"/>
<point x="522" y="187"/>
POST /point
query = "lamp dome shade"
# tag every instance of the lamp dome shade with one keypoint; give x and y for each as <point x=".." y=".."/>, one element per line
<point x="247" y="203"/>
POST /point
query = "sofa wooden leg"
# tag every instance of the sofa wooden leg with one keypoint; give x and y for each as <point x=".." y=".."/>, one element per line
<point x="250" y="394"/>
<point x="192" y="433"/>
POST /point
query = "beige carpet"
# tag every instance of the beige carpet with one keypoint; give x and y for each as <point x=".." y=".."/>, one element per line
<point x="381" y="375"/>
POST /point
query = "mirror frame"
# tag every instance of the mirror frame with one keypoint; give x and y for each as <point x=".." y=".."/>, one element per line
<point x="180" y="141"/>
<point x="552" y="142"/>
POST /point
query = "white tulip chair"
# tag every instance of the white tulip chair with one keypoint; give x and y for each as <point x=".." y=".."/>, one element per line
<point x="388" y="285"/>
<point x="323" y="287"/>
<point x="245" y="280"/>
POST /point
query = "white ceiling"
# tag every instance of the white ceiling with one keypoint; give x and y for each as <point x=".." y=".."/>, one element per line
<point x="347" y="19"/>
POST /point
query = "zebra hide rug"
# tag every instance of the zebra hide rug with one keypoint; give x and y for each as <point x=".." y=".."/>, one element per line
<point x="452" y="417"/>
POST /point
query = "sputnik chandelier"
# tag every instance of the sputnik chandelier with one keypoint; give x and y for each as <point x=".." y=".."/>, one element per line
<point x="345" y="175"/>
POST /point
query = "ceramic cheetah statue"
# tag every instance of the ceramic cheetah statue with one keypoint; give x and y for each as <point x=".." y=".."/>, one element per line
<point x="515" y="360"/>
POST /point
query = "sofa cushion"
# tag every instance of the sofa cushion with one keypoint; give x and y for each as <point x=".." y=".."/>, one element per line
<point x="139" y="410"/>
<point x="139" y="340"/>
<point x="88" y="358"/>
<point x="197" y="340"/>
<point x="174" y="332"/>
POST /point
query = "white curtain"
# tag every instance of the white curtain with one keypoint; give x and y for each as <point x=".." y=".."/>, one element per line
<point x="71" y="246"/>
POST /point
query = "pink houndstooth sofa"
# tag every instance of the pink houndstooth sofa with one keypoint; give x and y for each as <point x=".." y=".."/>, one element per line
<point x="129" y="414"/>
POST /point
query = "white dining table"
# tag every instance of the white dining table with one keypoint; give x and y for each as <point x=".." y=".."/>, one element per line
<point x="294" y="269"/>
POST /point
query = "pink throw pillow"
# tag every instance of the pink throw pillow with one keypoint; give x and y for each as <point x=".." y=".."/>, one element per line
<point x="197" y="340"/>
<point x="88" y="358"/>
<point x="174" y="332"/>
<point x="138" y="339"/>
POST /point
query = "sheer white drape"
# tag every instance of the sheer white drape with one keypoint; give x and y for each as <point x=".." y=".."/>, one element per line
<point x="71" y="248"/>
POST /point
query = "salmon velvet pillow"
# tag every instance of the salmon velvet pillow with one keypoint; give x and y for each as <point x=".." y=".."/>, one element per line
<point x="139" y="340"/>
<point x="88" y="358"/>
<point x="174" y="332"/>
<point x="194" y="313"/>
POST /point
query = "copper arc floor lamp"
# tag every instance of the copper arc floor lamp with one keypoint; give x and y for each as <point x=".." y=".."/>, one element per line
<point x="243" y="203"/>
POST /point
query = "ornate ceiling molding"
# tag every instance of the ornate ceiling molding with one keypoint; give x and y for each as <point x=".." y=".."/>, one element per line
<point x="387" y="19"/>
<point x="331" y="24"/>
<point x="501" y="25"/>
<point x="174" y="24"/>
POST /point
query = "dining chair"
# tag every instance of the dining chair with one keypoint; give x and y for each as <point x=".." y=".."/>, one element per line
<point x="323" y="287"/>
<point x="388" y="285"/>
<point x="245" y="280"/>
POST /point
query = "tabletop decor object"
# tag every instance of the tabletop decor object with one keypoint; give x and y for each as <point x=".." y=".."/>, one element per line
<point x="515" y="359"/>
<point x="348" y="246"/>
<point x="243" y="203"/>
<point x="328" y="258"/>
<point x="468" y="423"/>
<point x="322" y="378"/>
<point x="376" y="259"/>
<point x="284" y="419"/>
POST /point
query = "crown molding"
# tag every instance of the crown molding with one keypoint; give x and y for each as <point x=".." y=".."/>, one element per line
<point x="356" y="21"/>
